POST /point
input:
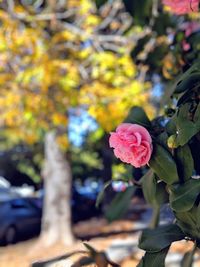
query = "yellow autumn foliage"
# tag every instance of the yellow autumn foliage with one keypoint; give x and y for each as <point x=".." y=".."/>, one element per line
<point x="46" y="68"/>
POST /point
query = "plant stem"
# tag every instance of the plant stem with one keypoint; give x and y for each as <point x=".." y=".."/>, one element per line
<point x="189" y="257"/>
<point x="155" y="218"/>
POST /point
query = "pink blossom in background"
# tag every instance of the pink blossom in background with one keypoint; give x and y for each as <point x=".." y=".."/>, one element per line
<point x="190" y="27"/>
<point x="181" y="7"/>
<point x="132" y="144"/>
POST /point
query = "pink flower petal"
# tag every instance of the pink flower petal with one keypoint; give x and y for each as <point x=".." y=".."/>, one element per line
<point x="132" y="144"/>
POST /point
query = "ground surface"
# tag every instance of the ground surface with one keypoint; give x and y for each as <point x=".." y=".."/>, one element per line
<point x="109" y="238"/>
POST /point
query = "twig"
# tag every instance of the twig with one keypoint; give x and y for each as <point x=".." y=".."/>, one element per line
<point x="114" y="9"/>
<point x="58" y="16"/>
<point x="112" y="47"/>
<point x="83" y="72"/>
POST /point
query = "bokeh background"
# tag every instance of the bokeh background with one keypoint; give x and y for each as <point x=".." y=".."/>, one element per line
<point x="70" y="72"/>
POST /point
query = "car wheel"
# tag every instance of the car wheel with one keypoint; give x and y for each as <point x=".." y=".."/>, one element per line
<point x="10" y="236"/>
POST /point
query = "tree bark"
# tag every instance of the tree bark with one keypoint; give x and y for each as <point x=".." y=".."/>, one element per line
<point x="56" y="219"/>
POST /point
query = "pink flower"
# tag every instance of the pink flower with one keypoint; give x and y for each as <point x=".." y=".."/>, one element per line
<point x="132" y="144"/>
<point x="181" y="7"/>
<point x="190" y="27"/>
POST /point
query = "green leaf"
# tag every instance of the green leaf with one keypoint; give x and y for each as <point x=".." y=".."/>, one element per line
<point x="172" y="141"/>
<point x="139" y="10"/>
<point x="119" y="204"/>
<point x="185" y="162"/>
<point x="188" y="83"/>
<point x="171" y="126"/>
<point x="187" y="222"/>
<point x="154" y="240"/>
<point x="190" y="220"/>
<point x="154" y="192"/>
<point x="156" y="259"/>
<point x="196" y="118"/>
<point x="163" y="165"/>
<point x="182" y="197"/>
<point x="198" y="216"/>
<point x="162" y="195"/>
<point x="102" y="194"/>
<point x="179" y="84"/>
<point x="137" y="115"/>
<point x="186" y="128"/>
<point x="149" y="186"/>
<point x="161" y="139"/>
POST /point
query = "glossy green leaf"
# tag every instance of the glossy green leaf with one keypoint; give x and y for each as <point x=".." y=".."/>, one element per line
<point x="119" y="204"/>
<point x="188" y="83"/>
<point x="156" y="259"/>
<point x="154" y="240"/>
<point x="102" y="194"/>
<point x="171" y="126"/>
<point x="149" y="186"/>
<point x="163" y="165"/>
<point x="137" y="115"/>
<point x="172" y="141"/>
<point x="196" y="118"/>
<point x="186" y="128"/>
<point x="162" y="140"/>
<point x="195" y="68"/>
<point x="189" y="222"/>
<point x="198" y="216"/>
<point x="154" y="192"/>
<point x="182" y="197"/>
<point x="185" y="162"/>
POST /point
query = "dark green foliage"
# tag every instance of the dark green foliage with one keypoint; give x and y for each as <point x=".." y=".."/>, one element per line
<point x="183" y="196"/>
<point x="137" y="115"/>
<point x="171" y="126"/>
<point x="154" y="192"/>
<point x="139" y="10"/>
<point x="102" y="194"/>
<point x="154" y="259"/>
<point x="162" y="22"/>
<point x="120" y="204"/>
<point x="188" y="83"/>
<point x="155" y="240"/>
<point x="184" y="161"/>
<point x="189" y="222"/>
<point x="187" y="123"/>
<point x="163" y="165"/>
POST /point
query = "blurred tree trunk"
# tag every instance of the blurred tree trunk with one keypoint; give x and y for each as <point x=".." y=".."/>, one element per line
<point x="56" y="219"/>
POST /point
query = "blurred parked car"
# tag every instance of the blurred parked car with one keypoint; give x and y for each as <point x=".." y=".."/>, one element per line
<point x="19" y="217"/>
<point x="83" y="205"/>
